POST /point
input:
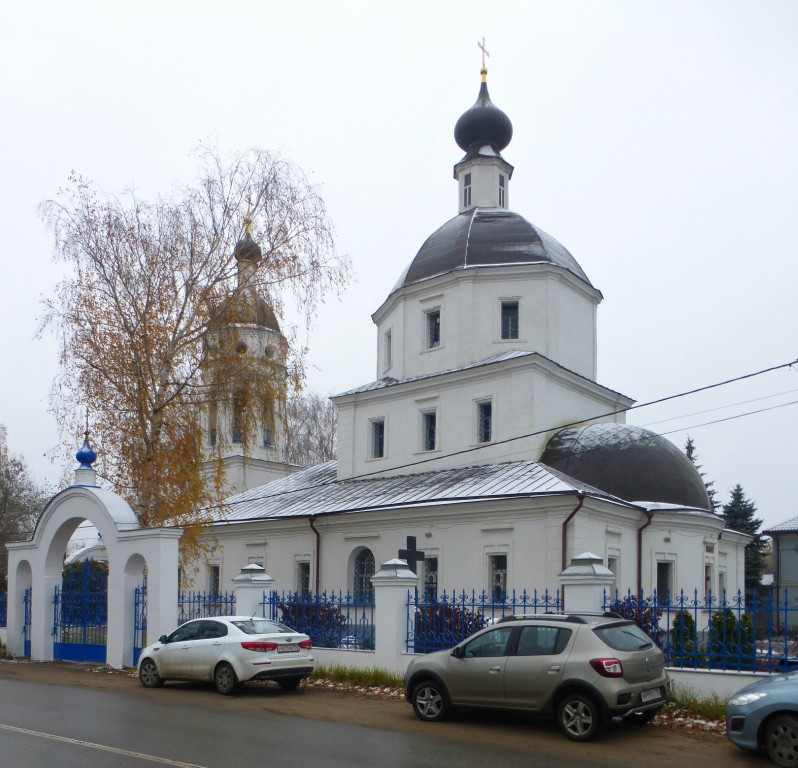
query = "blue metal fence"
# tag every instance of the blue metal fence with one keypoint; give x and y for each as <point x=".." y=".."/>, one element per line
<point x="331" y="620"/>
<point x="435" y="622"/>
<point x="3" y="609"/>
<point x="199" y="605"/>
<point x="726" y="632"/>
<point x="27" y="600"/>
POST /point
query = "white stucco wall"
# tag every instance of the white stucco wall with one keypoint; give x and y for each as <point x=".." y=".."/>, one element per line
<point x="557" y="318"/>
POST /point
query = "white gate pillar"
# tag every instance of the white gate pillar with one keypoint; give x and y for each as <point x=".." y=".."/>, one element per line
<point x="249" y="587"/>
<point x="583" y="583"/>
<point x="391" y="585"/>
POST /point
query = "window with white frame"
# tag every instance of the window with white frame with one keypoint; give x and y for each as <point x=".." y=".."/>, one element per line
<point x="664" y="580"/>
<point x="362" y="587"/>
<point x="497" y="572"/>
<point x="466" y="190"/>
<point x="708" y="573"/>
<point x="502" y="190"/>
<point x="509" y="319"/>
<point x="433" y="328"/>
<point x="484" y="421"/>
<point x="612" y="564"/>
<point x="377" y="439"/>
<point x="431" y="577"/>
<point x="429" y="430"/>
<point x="388" y="357"/>
<point x="214" y="579"/>
<point x="303" y="577"/>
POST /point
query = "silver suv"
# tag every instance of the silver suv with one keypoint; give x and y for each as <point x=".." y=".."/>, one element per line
<point x="582" y="668"/>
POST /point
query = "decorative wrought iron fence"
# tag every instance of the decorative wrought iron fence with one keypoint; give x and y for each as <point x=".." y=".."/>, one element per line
<point x="199" y="605"/>
<point x="331" y="620"/>
<point x="139" y="621"/>
<point x="3" y="609"/>
<point x="435" y="622"/>
<point x="726" y="632"/>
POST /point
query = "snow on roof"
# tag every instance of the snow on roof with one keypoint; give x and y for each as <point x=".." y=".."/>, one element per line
<point x="787" y="525"/>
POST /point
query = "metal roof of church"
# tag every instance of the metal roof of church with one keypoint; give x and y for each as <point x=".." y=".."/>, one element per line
<point x="486" y="237"/>
<point x="316" y="491"/>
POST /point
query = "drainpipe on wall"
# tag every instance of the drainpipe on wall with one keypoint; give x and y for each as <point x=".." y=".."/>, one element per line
<point x="312" y="520"/>
<point x="650" y="516"/>
<point x="581" y="500"/>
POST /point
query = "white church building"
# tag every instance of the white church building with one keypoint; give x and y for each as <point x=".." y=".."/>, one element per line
<point x="485" y="434"/>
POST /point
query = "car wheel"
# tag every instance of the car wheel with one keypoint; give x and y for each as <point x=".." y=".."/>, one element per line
<point x="578" y="717"/>
<point x="289" y="683"/>
<point x="429" y="701"/>
<point x="148" y="674"/>
<point x="225" y="679"/>
<point x="640" y="718"/>
<point x="781" y="740"/>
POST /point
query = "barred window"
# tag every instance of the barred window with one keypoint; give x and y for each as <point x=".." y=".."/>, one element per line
<point x="431" y="577"/>
<point x="429" y="429"/>
<point x="364" y="570"/>
<point x="498" y="577"/>
<point x="484" y="421"/>
<point x="378" y="438"/>
<point x="509" y="320"/>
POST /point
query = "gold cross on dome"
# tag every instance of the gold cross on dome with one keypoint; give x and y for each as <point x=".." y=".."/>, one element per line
<point x="484" y="51"/>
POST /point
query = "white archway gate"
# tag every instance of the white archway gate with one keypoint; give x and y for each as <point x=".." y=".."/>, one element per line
<point x="37" y="565"/>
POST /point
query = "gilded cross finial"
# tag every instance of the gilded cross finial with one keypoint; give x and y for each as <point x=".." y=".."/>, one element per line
<point x="484" y="51"/>
<point x="86" y="433"/>
<point x="248" y="219"/>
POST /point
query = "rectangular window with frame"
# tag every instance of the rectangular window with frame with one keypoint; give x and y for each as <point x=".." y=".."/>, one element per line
<point x="268" y="439"/>
<point x="485" y="421"/>
<point x="502" y="190"/>
<point x="466" y="190"/>
<point x="429" y="430"/>
<point x="664" y="581"/>
<point x="433" y="329"/>
<point x="707" y="578"/>
<point x="498" y="577"/>
<point x="377" y="439"/>
<point x="388" y="350"/>
<point x="214" y="579"/>
<point x="303" y="577"/>
<point x="431" y="577"/>
<point x="509" y="319"/>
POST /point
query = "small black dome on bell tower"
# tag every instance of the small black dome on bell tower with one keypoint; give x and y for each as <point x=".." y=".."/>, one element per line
<point x="483" y="124"/>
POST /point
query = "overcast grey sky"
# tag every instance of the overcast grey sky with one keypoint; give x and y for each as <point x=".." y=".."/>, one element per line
<point x="656" y="141"/>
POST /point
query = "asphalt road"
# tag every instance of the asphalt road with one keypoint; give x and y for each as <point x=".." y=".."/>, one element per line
<point x="68" y="722"/>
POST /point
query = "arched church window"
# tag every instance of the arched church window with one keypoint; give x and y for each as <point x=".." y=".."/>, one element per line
<point x="364" y="570"/>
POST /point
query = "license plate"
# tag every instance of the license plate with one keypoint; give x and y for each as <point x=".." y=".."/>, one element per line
<point x="652" y="694"/>
<point x="288" y="648"/>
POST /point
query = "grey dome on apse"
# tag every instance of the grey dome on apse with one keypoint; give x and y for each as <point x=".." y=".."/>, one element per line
<point x="482" y="124"/>
<point x="485" y="237"/>
<point x="629" y="462"/>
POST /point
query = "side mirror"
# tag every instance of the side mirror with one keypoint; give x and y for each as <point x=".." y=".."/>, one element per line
<point x="458" y="651"/>
<point x="162" y="639"/>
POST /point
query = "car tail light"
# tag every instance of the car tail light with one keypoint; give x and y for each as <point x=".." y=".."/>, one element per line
<point x="607" y="667"/>
<point x="306" y="644"/>
<point x="258" y="645"/>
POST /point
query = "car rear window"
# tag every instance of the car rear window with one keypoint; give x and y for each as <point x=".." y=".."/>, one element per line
<point x="624" y="637"/>
<point x="262" y="627"/>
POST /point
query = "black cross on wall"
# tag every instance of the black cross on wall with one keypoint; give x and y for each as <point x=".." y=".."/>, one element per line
<point x="411" y="554"/>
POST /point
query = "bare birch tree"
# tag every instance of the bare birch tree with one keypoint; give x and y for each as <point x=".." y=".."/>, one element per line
<point x="148" y="281"/>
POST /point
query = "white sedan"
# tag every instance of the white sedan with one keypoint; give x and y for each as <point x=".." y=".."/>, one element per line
<point x="229" y="650"/>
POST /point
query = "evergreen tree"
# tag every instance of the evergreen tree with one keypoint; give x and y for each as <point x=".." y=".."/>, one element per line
<point x="690" y="451"/>
<point x="739" y="515"/>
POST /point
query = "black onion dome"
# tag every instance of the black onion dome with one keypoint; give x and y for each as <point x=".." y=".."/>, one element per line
<point x="484" y="237"/>
<point x="632" y="463"/>
<point x="247" y="249"/>
<point x="265" y="317"/>
<point x="483" y="124"/>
